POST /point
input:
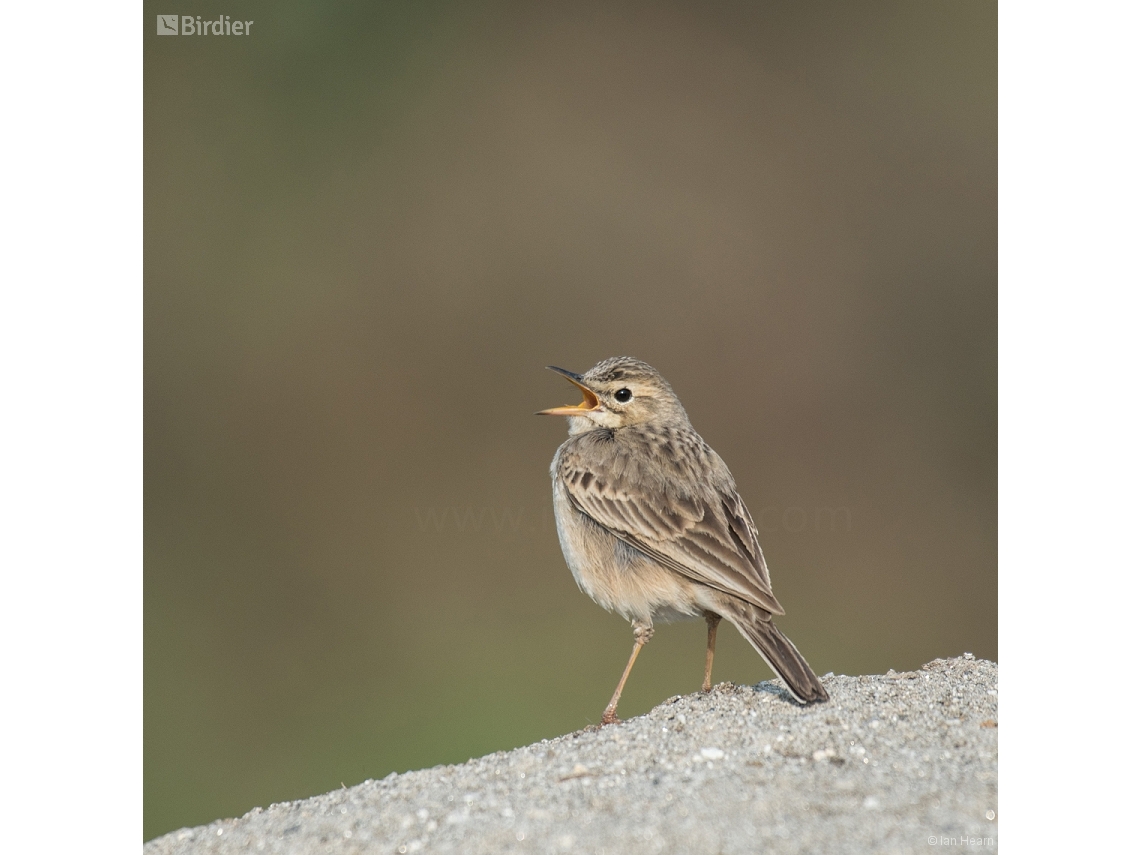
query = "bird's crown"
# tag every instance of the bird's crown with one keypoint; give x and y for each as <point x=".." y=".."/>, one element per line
<point x="622" y="368"/>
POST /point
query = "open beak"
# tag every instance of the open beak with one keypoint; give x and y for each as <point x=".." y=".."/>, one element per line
<point x="589" y="399"/>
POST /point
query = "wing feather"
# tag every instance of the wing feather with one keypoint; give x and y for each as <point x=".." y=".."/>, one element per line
<point x="699" y="529"/>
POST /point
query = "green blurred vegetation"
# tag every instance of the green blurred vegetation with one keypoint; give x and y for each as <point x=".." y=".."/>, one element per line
<point x="368" y="228"/>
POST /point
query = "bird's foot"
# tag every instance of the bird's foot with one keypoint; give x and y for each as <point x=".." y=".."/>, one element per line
<point x="610" y="717"/>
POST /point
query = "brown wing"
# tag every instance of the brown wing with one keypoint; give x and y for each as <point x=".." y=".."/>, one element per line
<point x="699" y="530"/>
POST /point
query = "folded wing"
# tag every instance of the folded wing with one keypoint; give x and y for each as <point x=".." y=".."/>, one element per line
<point x="698" y="530"/>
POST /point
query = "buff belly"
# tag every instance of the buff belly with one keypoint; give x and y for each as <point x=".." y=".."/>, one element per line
<point x="618" y="577"/>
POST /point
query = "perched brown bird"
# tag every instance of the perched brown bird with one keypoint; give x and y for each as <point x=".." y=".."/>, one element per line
<point x="652" y="526"/>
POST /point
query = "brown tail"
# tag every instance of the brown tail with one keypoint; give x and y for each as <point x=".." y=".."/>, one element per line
<point x="780" y="654"/>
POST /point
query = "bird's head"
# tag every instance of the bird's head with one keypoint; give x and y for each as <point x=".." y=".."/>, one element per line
<point x="619" y="392"/>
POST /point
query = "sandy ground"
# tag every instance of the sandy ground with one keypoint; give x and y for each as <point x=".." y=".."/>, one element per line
<point x="894" y="763"/>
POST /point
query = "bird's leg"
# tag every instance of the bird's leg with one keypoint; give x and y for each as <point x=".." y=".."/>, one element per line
<point x="712" y="620"/>
<point x="642" y="632"/>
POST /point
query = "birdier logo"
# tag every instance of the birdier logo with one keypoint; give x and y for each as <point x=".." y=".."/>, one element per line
<point x="193" y="25"/>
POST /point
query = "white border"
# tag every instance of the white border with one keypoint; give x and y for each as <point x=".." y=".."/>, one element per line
<point x="71" y="432"/>
<point x="1069" y="430"/>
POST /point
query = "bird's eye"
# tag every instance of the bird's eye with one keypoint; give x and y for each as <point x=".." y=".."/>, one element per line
<point x="622" y="395"/>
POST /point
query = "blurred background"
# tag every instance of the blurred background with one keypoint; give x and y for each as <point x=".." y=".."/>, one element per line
<point x="368" y="228"/>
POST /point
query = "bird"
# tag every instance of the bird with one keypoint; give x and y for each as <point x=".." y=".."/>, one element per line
<point x="652" y="526"/>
